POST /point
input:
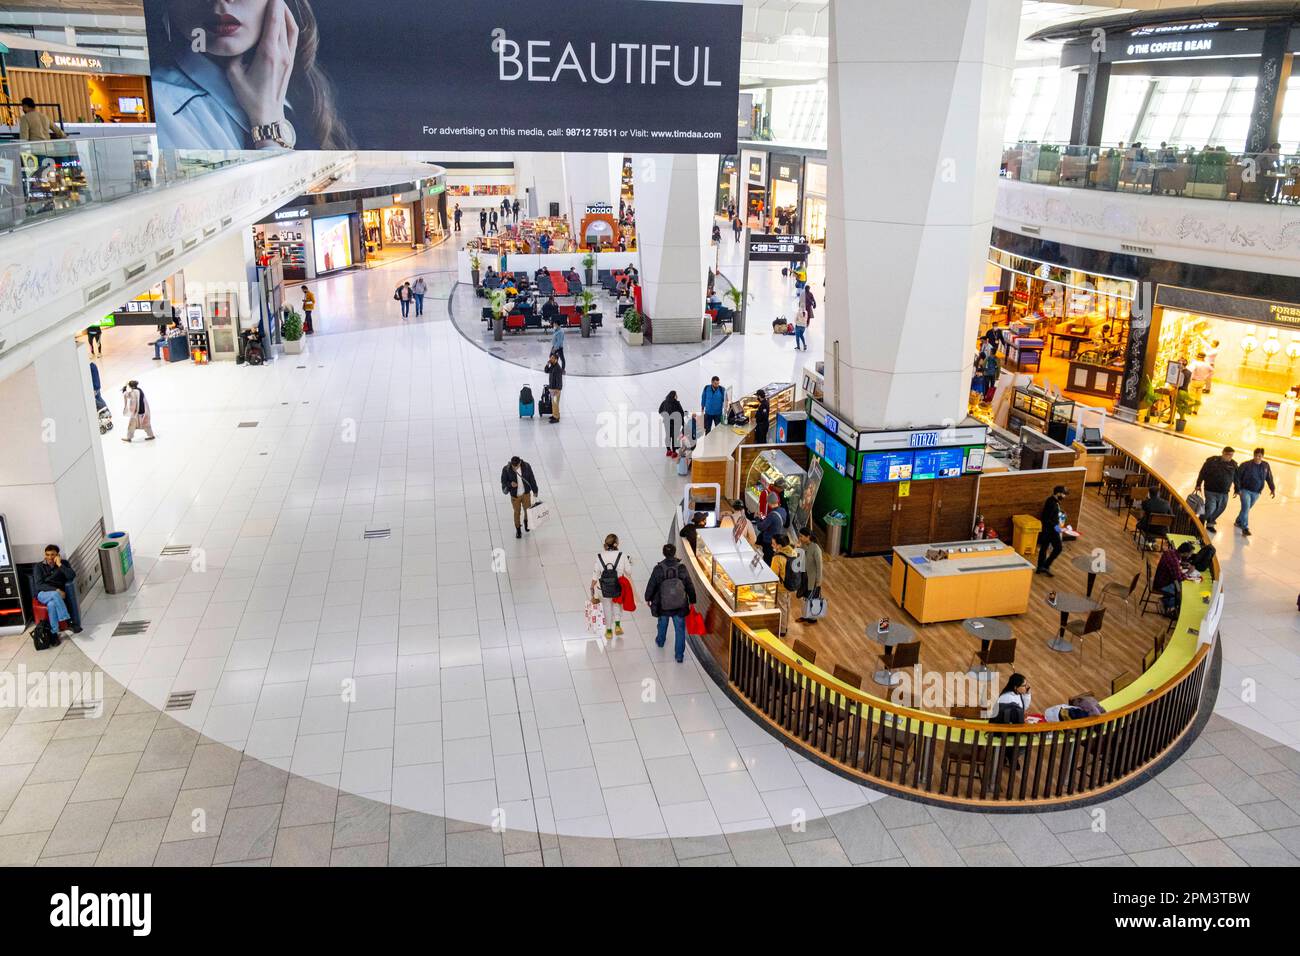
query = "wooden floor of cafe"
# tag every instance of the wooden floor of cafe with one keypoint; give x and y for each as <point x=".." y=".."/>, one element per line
<point x="857" y="593"/>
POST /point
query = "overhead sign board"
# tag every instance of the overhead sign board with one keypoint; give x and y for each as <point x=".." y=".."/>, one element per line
<point x="1167" y="42"/>
<point x="656" y="76"/>
<point x="767" y="247"/>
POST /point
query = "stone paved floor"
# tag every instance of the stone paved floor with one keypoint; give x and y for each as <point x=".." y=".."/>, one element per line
<point x="135" y="787"/>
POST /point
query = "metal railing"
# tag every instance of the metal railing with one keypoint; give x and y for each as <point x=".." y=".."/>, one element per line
<point x="1210" y="173"/>
<point x="50" y="178"/>
<point x="975" y="763"/>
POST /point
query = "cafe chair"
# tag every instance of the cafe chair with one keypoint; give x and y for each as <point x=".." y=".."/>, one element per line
<point x="841" y="673"/>
<point x="904" y="656"/>
<point x="1125" y="594"/>
<point x="1149" y="659"/>
<point x="1090" y="625"/>
<point x="803" y="650"/>
<point x="1113" y="488"/>
<point x="1117" y="684"/>
<point x="965" y="761"/>
<point x="999" y="652"/>
<point x="1155" y="535"/>
<point x="894" y="746"/>
<point x="966" y="713"/>
<point x="833" y="716"/>
<point x="1136" y="497"/>
<point x="1151" y="598"/>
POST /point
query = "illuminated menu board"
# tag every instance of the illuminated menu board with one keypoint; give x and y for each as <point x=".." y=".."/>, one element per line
<point x="887" y="466"/>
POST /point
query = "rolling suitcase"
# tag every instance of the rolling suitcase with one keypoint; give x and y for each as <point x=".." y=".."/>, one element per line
<point x="544" y="404"/>
<point x="526" y="405"/>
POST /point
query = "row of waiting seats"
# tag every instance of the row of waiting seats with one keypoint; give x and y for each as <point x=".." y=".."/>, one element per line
<point x="524" y="317"/>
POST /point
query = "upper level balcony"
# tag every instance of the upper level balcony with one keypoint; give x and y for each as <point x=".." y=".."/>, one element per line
<point x="43" y="180"/>
<point x="1210" y="173"/>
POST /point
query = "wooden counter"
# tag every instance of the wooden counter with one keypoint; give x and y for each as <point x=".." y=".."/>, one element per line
<point x="714" y="454"/>
<point x="990" y="580"/>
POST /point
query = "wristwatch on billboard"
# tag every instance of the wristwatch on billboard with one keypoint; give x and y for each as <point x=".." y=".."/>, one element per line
<point x="280" y="132"/>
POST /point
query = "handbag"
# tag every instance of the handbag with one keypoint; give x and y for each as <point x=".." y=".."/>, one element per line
<point x="595" y="614"/>
<point x="539" y="512"/>
<point x="694" y="622"/>
<point x="814" y="605"/>
<point x="1196" y="503"/>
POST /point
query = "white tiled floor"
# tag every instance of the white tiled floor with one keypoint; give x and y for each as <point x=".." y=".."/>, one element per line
<point x="407" y="669"/>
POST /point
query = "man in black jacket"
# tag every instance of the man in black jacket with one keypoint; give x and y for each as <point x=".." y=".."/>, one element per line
<point x="518" y="482"/>
<point x="52" y="583"/>
<point x="555" y="382"/>
<point x="1218" y="475"/>
<point x="670" y="594"/>
<point x="1049" y="538"/>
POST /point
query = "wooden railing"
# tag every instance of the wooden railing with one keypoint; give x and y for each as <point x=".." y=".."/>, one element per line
<point x="970" y="762"/>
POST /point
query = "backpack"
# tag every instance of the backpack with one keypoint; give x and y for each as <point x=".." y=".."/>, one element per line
<point x="525" y="396"/>
<point x="792" y="577"/>
<point x="609" y="583"/>
<point x="672" y="591"/>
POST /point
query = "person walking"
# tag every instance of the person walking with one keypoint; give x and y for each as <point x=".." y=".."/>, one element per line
<point x="809" y="300"/>
<point x="94" y="340"/>
<point x="455" y="216"/>
<point x="514" y="210"/>
<point x="404" y="295"/>
<point x="673" y="415"/>
<point x="812" y="571"/>
<point x="1049" y="538"/>
<point x="606" y="589"/>
<point x="762" y="417"/>
<point x="715" y="237"/>
<point x="1218" y="475"/>
<point x="736" y="227"/>
<point x="555" y="382"/>
<point x="418" y="289"/>
<point x="557" y="340"/>
<point x="492" y="223"/>
<point x="518" y="482"/>
<point x="36" y="126"/>
<point x="800" y="327"/>
<point x="1250" y="482"/>
<point x="670" y="594"/>
<point x="308" y="307"/>
<point x="990" y="370"/>
<point x="712" y="400"/>
<point x="137" y="411"/>
<point x="482" y="222"/>
<point x="53" y="583"/>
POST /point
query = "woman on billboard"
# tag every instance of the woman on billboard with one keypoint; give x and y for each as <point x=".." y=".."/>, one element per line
<point x="241" y="74"/>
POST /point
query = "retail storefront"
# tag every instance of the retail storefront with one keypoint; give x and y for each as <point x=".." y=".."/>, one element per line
<point x="814" y="201"/>
<point x="784" y="190"/>
<point x="728" y="185"/>
<point x="753" y="166"/>
<point x="480" y="185"/>
<point x="87" y="88"/>
<point x="1069" y="327"/>
<point x="312" y="239"/>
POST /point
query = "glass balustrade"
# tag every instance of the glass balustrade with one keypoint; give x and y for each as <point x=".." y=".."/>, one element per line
<point x="41" y="180"/>
<point x="1208" y="173"/>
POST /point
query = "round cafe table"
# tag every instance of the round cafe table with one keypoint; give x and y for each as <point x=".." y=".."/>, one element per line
<point x="1068" y="604"/>
<point x="897" y="634"/>
<point x="1091" y="565"/>
<point x="987" y="629"/>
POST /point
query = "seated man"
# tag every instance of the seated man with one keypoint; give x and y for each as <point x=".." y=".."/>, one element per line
<point x="572" y="275"/>
<point x="551" y="311"/>
<point x="52" y="583"/>
<point x="1153" y="504"/>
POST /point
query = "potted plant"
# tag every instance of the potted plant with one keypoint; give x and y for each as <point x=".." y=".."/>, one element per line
<point x="1185" y="405"/>
<point x="589" y="264"/>
<point x="1210" y="175"/>
<point x="1049" y="165"/>
<point x="291" y="331"/>
<point x="474" y="265"/>
<point x="497" y="302"/>
<point x="1148" y="397"/>
<point x="632" y="327"/>
<point x="586" y="299"/>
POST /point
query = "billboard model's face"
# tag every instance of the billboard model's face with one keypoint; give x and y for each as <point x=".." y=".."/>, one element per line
<point x="232" y="27"/>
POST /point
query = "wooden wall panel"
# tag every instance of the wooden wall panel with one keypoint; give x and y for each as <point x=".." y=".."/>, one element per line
<point x="955" y="512"/>
<point x="47" y="86"/>
<point x="1005" y="494"/>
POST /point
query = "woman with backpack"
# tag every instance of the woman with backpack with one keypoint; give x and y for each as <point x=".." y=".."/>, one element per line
<point x="787" y="565"/>
<point x="606" y="589"/>
<point x="670" y="594"/>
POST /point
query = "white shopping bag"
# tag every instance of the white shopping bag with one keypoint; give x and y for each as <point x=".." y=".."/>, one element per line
<point x="814" y="605"/>
<point x="538" y="514"/>
<point x="595" y="617"/>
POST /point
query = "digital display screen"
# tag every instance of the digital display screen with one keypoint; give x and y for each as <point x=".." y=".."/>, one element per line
<point x="5" y="562"/>
<point x="938" y="463"/>
<point x="831" y="450"/>
<point x="333" y="241"/>
<point x="887" y="466"/>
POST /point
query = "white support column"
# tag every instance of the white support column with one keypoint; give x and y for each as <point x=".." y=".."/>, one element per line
<point x="539" y="180"/>
<point x="53" y="486"/>
<point x="674" y="206"/>
<point x="918" y="100"/>
<point x="589" y="178"/>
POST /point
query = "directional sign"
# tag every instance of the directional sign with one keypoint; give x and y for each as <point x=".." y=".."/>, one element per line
<point x="764" y="247"/>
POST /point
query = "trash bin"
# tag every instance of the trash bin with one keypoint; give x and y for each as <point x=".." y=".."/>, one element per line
<point x="835" y="523"/>
<point x="1024" y="536"/>
<point x="116" y="563"/>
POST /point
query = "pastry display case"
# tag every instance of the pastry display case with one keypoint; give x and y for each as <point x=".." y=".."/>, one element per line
<point x="712" y="543"/>
<point x="780" y="398"/>
<point x="1032" y="406"/>
<point x="744" y="581"/>
<point x="772" y="468"/>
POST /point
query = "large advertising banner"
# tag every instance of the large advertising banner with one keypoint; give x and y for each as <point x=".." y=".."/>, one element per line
<point x="657" y="76"/>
